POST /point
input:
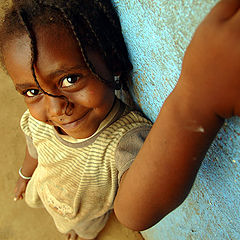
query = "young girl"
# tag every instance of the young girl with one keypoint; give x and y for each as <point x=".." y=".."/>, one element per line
<point x="66" y="60"/>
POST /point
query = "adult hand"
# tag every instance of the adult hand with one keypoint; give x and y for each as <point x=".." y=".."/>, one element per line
<point x="211" y="66"/>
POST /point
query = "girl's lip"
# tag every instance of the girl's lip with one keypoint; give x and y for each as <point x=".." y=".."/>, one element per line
<point x="73" y="124"/>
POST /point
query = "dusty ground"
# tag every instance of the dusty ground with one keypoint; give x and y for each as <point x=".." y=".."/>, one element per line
<point x="17" y="220"/>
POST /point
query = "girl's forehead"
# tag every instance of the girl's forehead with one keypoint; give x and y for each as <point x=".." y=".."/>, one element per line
<point x="17" y="52"/>
<point x="56" y="47"/>
<point x="53" y="36"/>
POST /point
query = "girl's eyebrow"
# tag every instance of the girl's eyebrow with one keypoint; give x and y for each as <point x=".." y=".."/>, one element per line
<point x="63" y="70"/>
<point x="23" y="86"/>
<point x="54" y="74"/>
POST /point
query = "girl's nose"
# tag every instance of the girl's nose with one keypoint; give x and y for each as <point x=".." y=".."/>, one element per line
<point x="57" y="106"/>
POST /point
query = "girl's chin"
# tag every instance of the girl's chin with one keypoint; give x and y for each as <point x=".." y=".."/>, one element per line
<point x="60" y="130"/>
<point x="76" y="135"/>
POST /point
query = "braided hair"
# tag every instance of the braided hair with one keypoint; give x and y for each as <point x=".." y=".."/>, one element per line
<point x="94" y="23"/>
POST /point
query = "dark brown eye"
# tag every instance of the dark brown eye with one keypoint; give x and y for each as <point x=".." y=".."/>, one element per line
<point x="32" y="92"/>
<point x="70" y="80"/>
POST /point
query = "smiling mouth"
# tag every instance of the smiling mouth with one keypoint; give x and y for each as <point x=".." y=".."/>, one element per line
<point x="74" y="124"/>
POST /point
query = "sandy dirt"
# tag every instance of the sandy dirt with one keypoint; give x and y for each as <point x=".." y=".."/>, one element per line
<point x="17" y="220"/>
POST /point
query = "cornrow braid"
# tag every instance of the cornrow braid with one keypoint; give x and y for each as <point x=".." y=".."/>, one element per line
<point x="24" y="20"/>
<point x="103" y="22"/>
<point x="67" y="17"/>
<point x="94" y="23"/>
<point x="83" y="51"/>
<point x="108" y="12"/>
<point x="119" y="50"/>
<point x="83" y="13"/>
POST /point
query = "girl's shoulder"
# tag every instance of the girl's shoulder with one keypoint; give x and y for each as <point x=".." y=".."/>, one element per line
<point x="132" y="116"/>
<point x="126" y="120"/>
<point x="129" y="121"/>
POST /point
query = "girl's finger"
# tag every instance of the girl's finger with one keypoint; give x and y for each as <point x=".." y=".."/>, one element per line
<point x="18" y="195"/>
<point x="16" y="198"/>
<point x="224" y="10"/>
<point x="15" y="189"/>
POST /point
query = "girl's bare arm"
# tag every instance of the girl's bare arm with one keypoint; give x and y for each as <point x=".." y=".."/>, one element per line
<point x="207" y="92"/>
<point x="28" y="168"/>
<point x="29" y="164"/>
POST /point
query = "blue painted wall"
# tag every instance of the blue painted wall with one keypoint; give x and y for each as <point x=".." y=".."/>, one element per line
<point x="157" y="33"/>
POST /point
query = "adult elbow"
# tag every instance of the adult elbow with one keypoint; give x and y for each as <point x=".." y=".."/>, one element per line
<point x="137" y="221"/>
<point x="140" y="218"/>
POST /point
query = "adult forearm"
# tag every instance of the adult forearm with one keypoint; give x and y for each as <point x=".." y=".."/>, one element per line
<point x="166" y="166"/>
<point x="207" y="92"/>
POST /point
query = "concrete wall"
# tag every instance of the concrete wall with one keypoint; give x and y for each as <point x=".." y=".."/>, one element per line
<point x="157" y="33"/>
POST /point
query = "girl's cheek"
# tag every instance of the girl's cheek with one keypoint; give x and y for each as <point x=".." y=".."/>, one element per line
<point x="84" y="97"/>
<point x="77" y="97"/>
<point x="37" y="112"/>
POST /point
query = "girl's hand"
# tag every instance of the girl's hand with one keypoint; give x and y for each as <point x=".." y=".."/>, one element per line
<point x="211" y="67"/>
<point x="20" y="188"/>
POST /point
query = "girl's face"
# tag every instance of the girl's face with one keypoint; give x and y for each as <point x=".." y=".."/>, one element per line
<point x="60" y="70"/>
